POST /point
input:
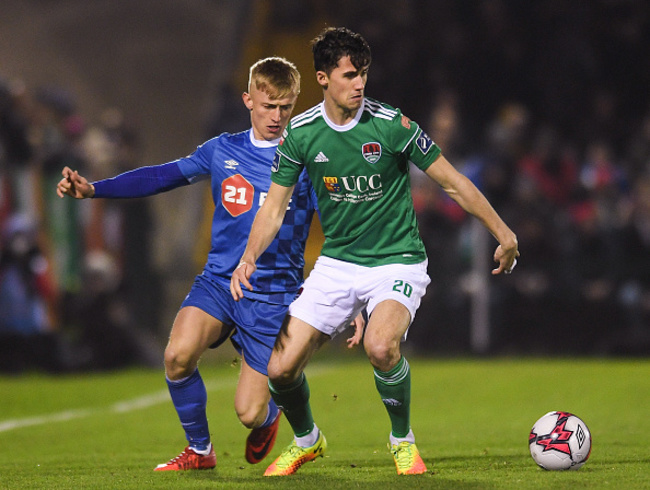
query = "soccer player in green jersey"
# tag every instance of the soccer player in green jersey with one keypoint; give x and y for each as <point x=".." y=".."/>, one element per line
<point x="357" y="153"/>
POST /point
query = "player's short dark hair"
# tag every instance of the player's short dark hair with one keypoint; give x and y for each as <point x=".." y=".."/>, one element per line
<point x="333" y="43"/>
<point x="276" y="76"/>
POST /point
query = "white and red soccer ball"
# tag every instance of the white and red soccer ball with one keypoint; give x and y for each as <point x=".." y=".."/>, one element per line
<point x="560" y="441"/>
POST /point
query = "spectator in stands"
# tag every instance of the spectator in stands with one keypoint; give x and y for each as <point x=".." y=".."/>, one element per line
<point x="25" y="287"/>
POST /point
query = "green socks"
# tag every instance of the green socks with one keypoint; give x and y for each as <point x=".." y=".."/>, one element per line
<point x="394" y="387"/>
<point x="293" y="400"/>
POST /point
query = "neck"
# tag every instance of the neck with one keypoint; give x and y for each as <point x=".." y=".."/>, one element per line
<point x="337" y="114"/>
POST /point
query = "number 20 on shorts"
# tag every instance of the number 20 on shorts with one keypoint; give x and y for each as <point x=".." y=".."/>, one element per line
<point x="403" y="287"/>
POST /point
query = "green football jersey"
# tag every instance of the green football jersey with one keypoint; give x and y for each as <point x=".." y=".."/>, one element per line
<point x="360" y="173"/>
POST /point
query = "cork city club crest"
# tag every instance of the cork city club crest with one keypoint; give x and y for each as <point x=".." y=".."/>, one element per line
<point x="371" y="152"/>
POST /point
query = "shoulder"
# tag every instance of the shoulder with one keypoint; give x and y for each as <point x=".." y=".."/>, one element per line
<point x="226" y="142"/>
<point x="384" y="114"/>
<point x="390" y="123"/>
<point x="380" y="110"/>
<point x="237" y="139"/>
<point x="307" y="118"/>
<point x="228" y="139"/>
<point x="300" y="131"/>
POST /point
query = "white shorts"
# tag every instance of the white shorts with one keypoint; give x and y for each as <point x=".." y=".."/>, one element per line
<point x="336" y="292"/>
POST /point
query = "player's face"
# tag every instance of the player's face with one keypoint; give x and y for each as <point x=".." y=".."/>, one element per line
<point x="344" y="86"/>
<point x="269" y="116"/>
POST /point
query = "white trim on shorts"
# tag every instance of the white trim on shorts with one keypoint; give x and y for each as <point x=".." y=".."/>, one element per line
<point x="337" y="291"/>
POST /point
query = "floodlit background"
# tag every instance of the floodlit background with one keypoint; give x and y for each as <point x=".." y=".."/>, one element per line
<point x="545" y="105"/>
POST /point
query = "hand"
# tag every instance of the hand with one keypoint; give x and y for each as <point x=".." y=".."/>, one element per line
<point x="241" y="275"/>
<point x="74" y="185"/>
<point x="507" y="259"/>
<point x="359" y="325"/>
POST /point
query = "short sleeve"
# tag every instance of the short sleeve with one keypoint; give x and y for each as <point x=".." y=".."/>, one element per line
<point x="422" y="151"/>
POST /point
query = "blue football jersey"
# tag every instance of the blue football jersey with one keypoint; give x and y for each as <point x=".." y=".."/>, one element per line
<point x="240" y="171"/>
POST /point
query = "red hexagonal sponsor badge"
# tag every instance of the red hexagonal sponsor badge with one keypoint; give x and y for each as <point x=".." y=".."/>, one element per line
<point x="237" y="195"/>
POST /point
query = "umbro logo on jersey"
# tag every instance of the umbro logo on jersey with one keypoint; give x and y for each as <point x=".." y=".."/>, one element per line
<point x="231" y="164"/>
<point x="321" y="158"/>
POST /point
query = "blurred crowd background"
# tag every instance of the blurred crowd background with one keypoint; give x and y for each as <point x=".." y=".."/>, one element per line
<point x="544" y="105"/>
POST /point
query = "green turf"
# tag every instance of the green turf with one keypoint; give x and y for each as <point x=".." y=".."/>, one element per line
<point x="471" y="419"/>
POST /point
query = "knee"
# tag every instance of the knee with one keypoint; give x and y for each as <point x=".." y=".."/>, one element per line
<point x="383" y="355"/>
<point x="252" y="415"/>
<point x="280" y="373"/>
<point x="178" y="363"/>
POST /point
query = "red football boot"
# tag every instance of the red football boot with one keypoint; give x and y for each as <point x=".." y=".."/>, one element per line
<point x="189" y="460"/>
<point x="260" y="441"/>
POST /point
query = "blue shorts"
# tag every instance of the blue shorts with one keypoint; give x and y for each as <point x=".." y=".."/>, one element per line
<point x="256" y="324"/>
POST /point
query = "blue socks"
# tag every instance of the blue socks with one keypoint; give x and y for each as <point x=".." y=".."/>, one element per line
<point x="190" y="399"/>
<point x="271" y="414"/>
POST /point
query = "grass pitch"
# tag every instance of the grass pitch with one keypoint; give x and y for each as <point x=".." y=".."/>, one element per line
<point x="471" y="419"/>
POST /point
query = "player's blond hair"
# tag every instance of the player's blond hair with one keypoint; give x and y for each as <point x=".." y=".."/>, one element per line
<point x="276" y="76"/>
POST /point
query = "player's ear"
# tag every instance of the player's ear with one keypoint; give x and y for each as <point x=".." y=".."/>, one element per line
<point x="248" y="100"/>
<point x="322" y="79"/>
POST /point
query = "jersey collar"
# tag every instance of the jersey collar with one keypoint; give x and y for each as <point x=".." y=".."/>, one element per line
<point x="262" y="143"/>
<point x="345" y="127"/>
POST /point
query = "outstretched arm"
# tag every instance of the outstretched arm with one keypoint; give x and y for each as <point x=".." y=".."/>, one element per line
<point x="140" y="182"/>
<point x="265" y="226"/>
<point x="472" y="200"/>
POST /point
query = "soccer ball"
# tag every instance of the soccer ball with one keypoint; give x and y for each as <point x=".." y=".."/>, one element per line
<point x="560" y="441"/>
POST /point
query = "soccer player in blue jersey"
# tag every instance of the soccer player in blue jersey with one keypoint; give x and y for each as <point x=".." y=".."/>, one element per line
<point x="357" y="152"/>
<point x="239" y="166"/>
